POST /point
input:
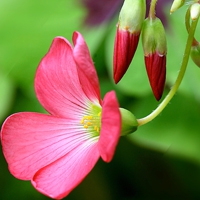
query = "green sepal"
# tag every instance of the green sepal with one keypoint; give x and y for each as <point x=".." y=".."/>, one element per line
<point x="132" y="15"/>
<point x="153" y="37"/>
<point x="129" y="122"/>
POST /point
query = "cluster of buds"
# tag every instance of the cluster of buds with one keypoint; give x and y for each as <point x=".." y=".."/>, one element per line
<point x="131" y="23"/>
<point x="195" y="49"/>
<point x="193" y="14"/>
<point x="194" y="7"/>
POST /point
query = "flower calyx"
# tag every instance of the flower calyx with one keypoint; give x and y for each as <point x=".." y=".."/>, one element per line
<point x="129" y="122"/>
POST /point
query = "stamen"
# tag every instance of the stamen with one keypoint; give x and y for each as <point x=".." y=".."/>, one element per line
<point x="85" y="126"/>
<point x="99" y="114"/>
<point x="92" y="122"/>
<point x="89" y="123"/>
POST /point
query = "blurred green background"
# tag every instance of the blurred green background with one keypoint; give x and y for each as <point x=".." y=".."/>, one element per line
<point x="161" y="160"/>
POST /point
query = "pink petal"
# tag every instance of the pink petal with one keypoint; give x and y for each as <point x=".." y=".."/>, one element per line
<point x="57" y="83"/>
<point x="60" y="177"/>
<point x="31" y="141"/>
<point x="110" y="127"/>
<point x="87" y="73"/>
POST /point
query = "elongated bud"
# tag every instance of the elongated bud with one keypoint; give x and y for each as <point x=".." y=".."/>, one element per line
<point x="176" y="5"/>
<point x="195" y="11"/>
<point x="155" y="50"/>
<point x="129" y="26"/>
<point x="129" y="122"/>
<point x="195" y="53"/>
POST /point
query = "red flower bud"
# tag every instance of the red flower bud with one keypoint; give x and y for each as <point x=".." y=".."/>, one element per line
<point x="156" y="70"/>
<point x="125" y="46"/>
<point x="195" y="53"/>
<point x="129" y="26"/>
<point x="155" y="49"/>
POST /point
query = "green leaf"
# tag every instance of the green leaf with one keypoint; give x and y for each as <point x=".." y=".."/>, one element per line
<point x="175" y="131"/>
<point x="6" y="95"/>
<point x="27" y="30"/>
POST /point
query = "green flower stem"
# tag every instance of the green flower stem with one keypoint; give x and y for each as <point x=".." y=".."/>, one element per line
<point x="187" y="25"/>
<point x="187" y="20"/>
<point x="152" y="9"/>
<point x="177" y="83"/>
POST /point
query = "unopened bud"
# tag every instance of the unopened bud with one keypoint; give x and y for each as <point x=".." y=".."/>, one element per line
<point x="195" y="11"/>
<point x="176" y="5"/>
<point x="129" y="26"/>
<point x="155" y="50"/>
<point x="195" y="53"/>
<point x="129" y="122"/>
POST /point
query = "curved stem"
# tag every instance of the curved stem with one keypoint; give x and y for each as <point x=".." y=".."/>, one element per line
<point x="187" y="20"/>
<point x="177" y="83"/>
<point x="187" y="25"/>
<point x="152" y="9"/>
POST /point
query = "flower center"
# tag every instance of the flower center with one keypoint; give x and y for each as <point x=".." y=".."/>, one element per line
<point x="92" y="121"/>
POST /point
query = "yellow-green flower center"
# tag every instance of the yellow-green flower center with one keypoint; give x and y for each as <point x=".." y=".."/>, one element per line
<point x="92" y="121"/>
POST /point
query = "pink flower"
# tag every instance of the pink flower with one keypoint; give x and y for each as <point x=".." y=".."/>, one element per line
<point x="57" y="150"/>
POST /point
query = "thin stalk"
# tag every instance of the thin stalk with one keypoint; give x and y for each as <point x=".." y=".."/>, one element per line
<point x="152" y="10"/>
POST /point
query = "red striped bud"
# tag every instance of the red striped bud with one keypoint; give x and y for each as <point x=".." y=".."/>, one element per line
<point x="155" y="49"/>
<point x="129" y="26"/>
